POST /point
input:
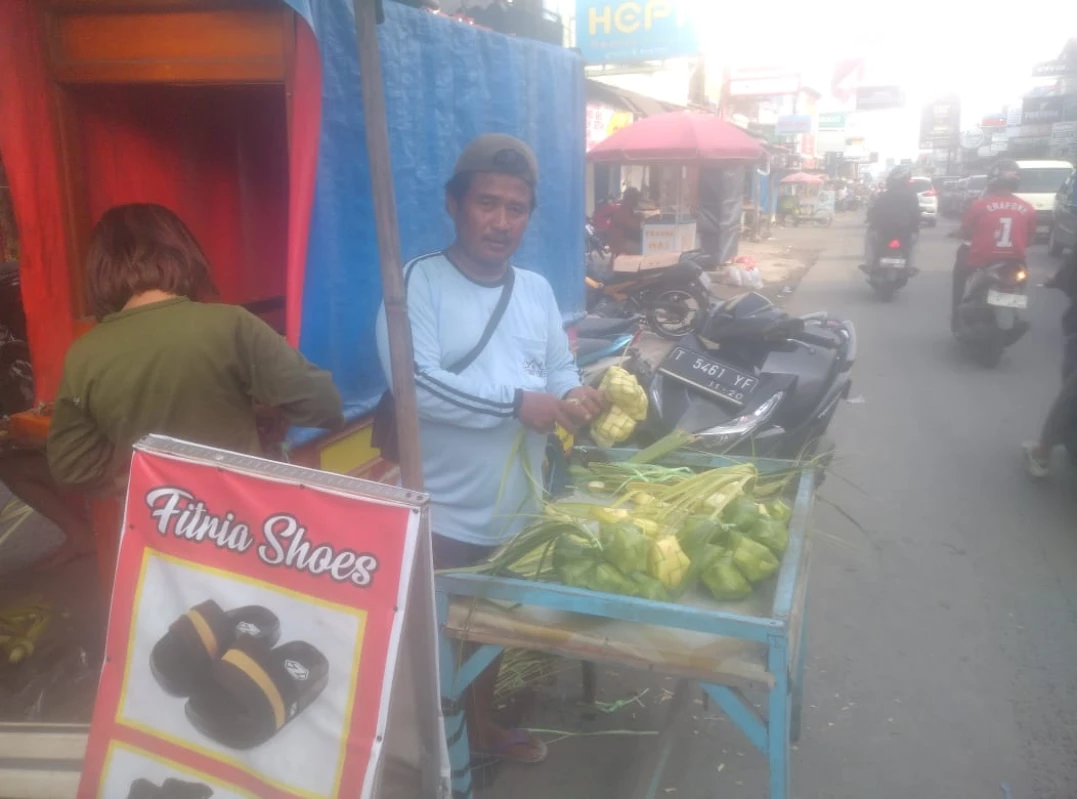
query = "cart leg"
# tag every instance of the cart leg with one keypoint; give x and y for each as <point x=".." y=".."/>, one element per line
<point x="798" y="685"/>
<point x="590" y="682"/>
<point x="778" y="718"/>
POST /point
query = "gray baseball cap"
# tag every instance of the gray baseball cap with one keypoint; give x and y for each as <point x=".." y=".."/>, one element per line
<point x="500" y="153"/>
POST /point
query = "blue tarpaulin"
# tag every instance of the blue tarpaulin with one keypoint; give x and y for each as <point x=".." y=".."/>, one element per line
<point x="445" y="82"/>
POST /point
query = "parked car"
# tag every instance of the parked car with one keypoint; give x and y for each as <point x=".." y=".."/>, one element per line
<point x="957" y="199"/>
<point x="1040" y="183"/>
<point x="1064" y="223"/>
<point x="973" y="189"/>
<point x="929" y="200"/>
<point x="948" y="194"/>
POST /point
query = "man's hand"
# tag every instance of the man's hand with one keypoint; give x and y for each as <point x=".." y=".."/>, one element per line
<point x="540" y="412"/>
<point x="592" y="400"/>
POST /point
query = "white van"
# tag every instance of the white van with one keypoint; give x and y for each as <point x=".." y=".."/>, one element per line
<point x="1040" y="182"/>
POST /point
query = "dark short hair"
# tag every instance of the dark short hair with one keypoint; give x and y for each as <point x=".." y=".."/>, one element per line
<point x="459" y="184"/>
<point x="141" y="247"/>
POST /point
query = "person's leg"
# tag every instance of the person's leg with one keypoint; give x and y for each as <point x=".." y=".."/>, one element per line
<point x="26" y="473"/>
<point x="960" y="274"/>
<point x="1059" y="418"/>
<point x="486" y="736"/>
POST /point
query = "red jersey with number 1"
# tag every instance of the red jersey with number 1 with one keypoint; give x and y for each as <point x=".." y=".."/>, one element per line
<point x="999" y="227"/>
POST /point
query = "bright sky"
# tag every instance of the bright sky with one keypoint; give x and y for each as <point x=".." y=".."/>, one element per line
<point x="982" y="53"/>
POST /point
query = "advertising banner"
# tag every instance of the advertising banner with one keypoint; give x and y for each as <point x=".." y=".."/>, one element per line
<point x="604" y="121"/>
<point x="792" y="124"/>
<point x="253" y="632"/>
<point x="832" y="120"/>
<point x="763" y="82"/>
<point x="940" y="123"/>
<point x="1041" y="110"/>
<point x="878" y="98"/>
<point x="628" y="31"/>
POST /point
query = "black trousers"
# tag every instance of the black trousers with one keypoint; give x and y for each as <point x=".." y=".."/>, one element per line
<point x="960" y="275"/>
<point x="1062" y="413"/>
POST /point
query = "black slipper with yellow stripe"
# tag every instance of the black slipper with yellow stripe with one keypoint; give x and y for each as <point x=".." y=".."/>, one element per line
<point x="253" y="691"/>
<point x="181" y="659"/>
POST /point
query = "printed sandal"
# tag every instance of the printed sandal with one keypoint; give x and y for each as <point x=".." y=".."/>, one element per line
<point x="181" y="659"/>
<point x="517" y="738"/>
<point x="253" y="691"/>
<point x="172" y="789"/>
<point x="180" y="789"/>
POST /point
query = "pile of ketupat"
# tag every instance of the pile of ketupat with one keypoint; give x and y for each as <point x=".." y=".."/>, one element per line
<point x="661" y="531"/>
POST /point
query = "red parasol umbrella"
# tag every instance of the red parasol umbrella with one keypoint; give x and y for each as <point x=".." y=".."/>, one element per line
<point x="801" y="177"/>
<point x="677" y="137"/>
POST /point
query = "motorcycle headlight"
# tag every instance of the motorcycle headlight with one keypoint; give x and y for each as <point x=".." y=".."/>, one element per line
<point x="735" y="429"/>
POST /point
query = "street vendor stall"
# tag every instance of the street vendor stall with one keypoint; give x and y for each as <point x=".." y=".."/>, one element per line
<point x="803" y="199"/>
<point x="682" y="151"/>
<point x="248" y="120"/>
<point x="694" y="615"/>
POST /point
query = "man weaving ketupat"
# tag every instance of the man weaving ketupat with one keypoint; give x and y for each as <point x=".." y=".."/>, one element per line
<point x="493" y="375"/>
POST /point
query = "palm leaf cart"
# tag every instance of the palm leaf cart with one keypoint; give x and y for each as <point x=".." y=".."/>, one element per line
<point x="695" y="569"/>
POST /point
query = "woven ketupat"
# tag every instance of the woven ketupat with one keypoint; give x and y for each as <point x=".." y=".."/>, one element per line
<point x="628" y="407"/>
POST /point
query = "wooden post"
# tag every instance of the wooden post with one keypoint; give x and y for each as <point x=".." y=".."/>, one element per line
<point x="392" y="278"/>
<point x="420" y="628"/>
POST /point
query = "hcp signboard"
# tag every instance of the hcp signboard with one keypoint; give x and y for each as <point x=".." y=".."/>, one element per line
<point x="626" y="31"/>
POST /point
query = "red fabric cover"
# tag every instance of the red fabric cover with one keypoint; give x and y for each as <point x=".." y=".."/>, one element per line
<point x="28" y="141"/>
<point x="306" y="122"/>
<point x="680" y="136"/>
<point x="217" y="156"/>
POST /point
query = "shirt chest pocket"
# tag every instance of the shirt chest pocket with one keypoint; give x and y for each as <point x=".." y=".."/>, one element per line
<point x="531" y="362"/>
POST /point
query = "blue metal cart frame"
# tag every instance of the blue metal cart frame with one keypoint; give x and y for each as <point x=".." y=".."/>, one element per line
<point x="781" y="632"/>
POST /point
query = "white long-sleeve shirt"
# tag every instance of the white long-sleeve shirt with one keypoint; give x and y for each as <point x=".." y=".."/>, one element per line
<point x="478" y="480"/>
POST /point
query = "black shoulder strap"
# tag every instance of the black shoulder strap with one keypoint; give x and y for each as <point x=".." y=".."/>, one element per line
<point x="491" y="326"/>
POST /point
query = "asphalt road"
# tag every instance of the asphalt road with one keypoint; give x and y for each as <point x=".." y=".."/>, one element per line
<point x="942" y="659"/>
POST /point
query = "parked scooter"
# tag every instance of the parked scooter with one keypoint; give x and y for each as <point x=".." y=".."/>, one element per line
<point x="599" y="337"/>
<point x="988" y="318"/>
<point x="597" y="251"/>
<point x="672" y="298"/>
<point x="889" y="269"/>
<point x="754" y="381"/>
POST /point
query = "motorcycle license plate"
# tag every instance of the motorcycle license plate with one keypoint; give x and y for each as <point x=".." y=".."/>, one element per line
<point x="709" y="375"/>
<point x="1004" y="300"/>
<point x="898" y="262"/>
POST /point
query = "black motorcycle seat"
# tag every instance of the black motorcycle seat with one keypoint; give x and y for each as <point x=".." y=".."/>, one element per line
<point x="589" y="346"/>
<point x="602" y="326"/>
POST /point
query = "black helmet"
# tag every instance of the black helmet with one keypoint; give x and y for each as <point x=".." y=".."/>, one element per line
<point x="899" y="176"/>
<point x="1004" y="174"/>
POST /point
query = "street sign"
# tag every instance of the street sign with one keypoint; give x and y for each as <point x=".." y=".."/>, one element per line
<point x="1042" y="110"/>
<point x="792" y="124"/>
<point x="878" y="98"/>
<point x="763" y="82"/>
<point x="833" y="120"/>
<point x="626" y="32"/>
<point x="972" y="139"/>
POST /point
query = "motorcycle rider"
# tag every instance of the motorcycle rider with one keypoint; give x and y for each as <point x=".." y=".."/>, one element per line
<point x="895" y="214"/>
<point x="998" y="227"/>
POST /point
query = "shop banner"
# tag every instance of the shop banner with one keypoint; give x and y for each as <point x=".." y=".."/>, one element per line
<point x="832" y="120"/>
<point x="625" y="31"/>
<point x="1041" y="110"/>
<point x="792" y="124"/>
<point x="253" y="632"/>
